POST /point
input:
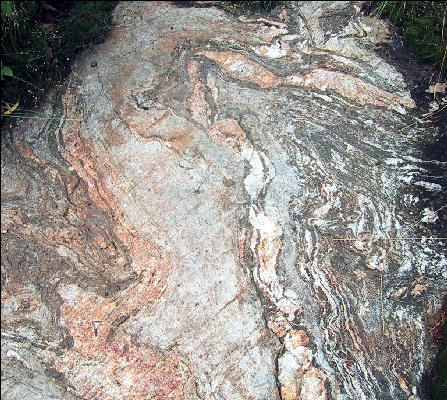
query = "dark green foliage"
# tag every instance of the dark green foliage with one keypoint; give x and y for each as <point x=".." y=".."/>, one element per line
<point x="256" y="5"/>
<point x="87" y="24"/>
<point x="439" y="386"/>
<point x="39" y="39"/>
<point x="424" y="28"/>
<point x="247" y="7"/>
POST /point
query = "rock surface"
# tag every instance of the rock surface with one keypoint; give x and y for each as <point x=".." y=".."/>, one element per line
<point x="175" y="233"/>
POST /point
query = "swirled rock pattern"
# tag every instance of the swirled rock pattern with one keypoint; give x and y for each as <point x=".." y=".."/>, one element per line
<point x="175" y="234"/>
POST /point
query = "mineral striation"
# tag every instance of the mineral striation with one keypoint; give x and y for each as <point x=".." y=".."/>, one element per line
<point x="175" y="232"/>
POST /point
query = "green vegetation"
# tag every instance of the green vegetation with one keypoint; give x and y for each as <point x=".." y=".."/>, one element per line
<point x="424" y="28"/>
<point x="247" y="7"/>
<point x="39" y="40"/>
<point x="439" y="385"/>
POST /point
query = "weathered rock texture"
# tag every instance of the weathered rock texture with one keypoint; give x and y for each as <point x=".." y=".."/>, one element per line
<point x="173" y="235"/>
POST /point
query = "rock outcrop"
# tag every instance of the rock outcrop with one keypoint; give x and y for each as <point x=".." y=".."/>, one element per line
<point x="227" y="208"/>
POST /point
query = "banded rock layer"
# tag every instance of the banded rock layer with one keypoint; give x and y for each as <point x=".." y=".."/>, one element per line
<point x="174" y="234"/>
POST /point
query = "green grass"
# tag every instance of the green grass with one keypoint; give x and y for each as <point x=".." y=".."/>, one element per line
<point x="439" y="384"/>
<point x="424" y="29"/>
<point x="40" y="39"/>
<point x="247" y="7"/>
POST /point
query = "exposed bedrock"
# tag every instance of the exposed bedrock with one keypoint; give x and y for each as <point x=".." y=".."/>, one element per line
<point x="174" y="234"/>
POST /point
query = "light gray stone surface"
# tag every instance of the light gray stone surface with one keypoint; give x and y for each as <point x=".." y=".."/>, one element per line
<point x="175" y="233"/>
